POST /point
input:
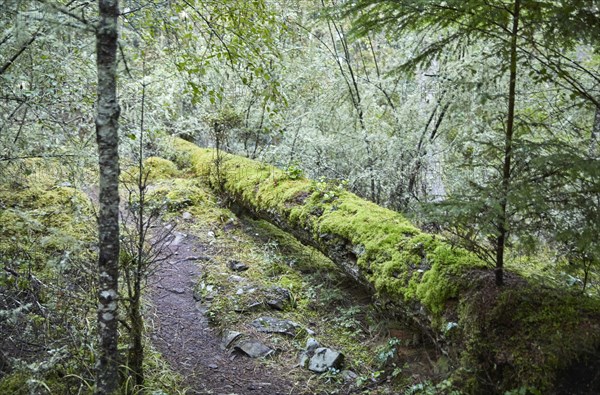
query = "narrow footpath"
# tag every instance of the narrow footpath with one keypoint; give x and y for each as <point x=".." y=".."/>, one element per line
<point x="181" y="332"/>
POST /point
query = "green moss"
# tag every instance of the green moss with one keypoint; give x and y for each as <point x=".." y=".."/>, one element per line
<point x="160" y="168"/>
<point x="14" y="384"/>
<point x="391" y="252"/>
<point x="522" y="333"/>
<point x="178" y="194"/>
<point x="39" y="224"/>
<point x="527" y="333"/>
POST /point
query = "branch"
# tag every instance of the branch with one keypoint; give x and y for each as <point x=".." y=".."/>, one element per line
<point x="5" y="158"/>
<point x="19" y="52"/>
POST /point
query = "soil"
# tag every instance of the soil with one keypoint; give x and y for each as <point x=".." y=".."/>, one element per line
<point x="182" y="334"/>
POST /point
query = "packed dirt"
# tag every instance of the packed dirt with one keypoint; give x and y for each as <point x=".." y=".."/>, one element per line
<point x="181" y="332"/>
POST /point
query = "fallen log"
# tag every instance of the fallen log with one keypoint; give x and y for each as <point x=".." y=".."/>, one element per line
<point x="522" y="335"/>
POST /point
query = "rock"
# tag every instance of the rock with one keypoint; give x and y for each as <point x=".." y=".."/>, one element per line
<point x="275" y="325"/>
<point x="348" y="375"/>
<point x="186" y="216"/>
<point x="312" y="344"/>
<point x="237" y="266"/>
<point x="229" y="337"/>
<point x="324" y="359"/>
<point x="304" y="358"/>
<point x="213" y="366"/>
<point x="178" y="291"/>
<point x="253" y="348"/>
<point x="236" y="279"/>
<point x="275" y="304"/>
<point x="277" y="297"/>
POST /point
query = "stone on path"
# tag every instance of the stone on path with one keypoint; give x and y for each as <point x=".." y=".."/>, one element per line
<point x="277" y="297"/>
<point x="237" y="266"/>
<point x="324" y="359"/>
<point x="348" y="375"/>
<point x="229" y="337"/>
<point x="253" y="348"/>
<point x="276" y="325"/>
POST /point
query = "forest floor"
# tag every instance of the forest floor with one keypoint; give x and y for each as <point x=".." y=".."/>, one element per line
<point x="183" y="335"/>
<point x="196" y="298"/>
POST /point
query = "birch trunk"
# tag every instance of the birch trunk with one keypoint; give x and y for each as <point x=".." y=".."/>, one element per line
<point x="107" y="124"/>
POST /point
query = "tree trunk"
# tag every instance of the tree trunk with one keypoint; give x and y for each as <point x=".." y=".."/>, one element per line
<point x="503" y="226"/>
<point x="136" y="350"/>
<point x="107" y="124"/>
<point x="595" y="137"/>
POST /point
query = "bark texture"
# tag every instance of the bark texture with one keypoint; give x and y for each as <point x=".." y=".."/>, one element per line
<point x="107" y="126"/>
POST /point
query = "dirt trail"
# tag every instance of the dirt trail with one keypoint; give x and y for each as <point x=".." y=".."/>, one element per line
<point x="182" y="334"/>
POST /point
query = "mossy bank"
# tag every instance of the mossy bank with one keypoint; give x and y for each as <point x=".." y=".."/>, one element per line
<point x="522" y="335"/>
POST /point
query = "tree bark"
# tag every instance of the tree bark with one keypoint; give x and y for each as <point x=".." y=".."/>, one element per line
<point x="107" y="125"/>
<point x="503" y="226"/>
<point x="595" y="136"/>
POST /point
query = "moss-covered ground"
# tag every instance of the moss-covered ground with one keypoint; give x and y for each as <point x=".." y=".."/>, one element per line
<point x="326" y="302"/>
<point x="492" y="335"/>
<point x="47" y="284"/>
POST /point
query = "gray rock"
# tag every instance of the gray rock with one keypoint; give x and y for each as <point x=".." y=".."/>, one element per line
<point x="277" y="297"/>
<point x="236" y="279"/>
<point x="275" y="304"/>
<point x="324" y="359"/>
<point x="213" y="366"/>
<point x="312" y="344"/>
<point x="178" y="291"/>
<point x="229" y="337"/>
<point x="304" y="358"/>
<point x="348" y="375"/>
<point x="186" y="215"/>
<point x="276" y="325"/>
<point x="237" y="266"/>
<point x="253" y="348"/>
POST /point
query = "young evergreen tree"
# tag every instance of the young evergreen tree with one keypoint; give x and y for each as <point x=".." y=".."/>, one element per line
<point x="524" y="34"/>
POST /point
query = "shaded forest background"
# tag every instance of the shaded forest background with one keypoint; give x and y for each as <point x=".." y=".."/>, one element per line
<point x="477" y="120"/>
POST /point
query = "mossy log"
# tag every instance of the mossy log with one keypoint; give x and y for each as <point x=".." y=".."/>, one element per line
<point x="520" y="335"/>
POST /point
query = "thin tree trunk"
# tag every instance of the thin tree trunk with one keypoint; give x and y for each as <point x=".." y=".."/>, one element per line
<point x="107" y="124"/>
<point x="595" y="137"/>
<point x="136" y="351"/>
<point x="503" y="227"/>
